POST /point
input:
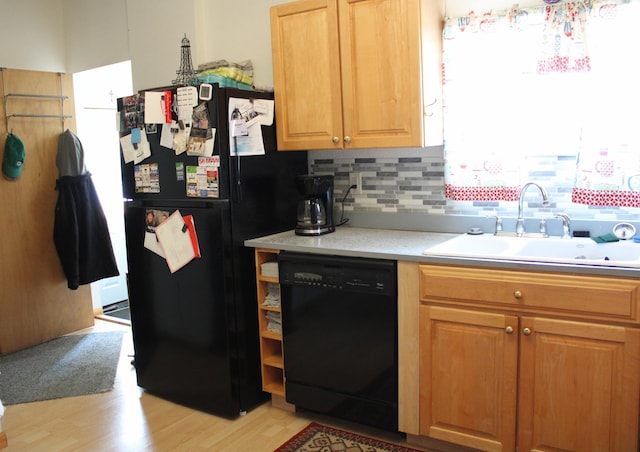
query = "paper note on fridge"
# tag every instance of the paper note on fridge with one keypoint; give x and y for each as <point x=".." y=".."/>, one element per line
<point x="187" y="99"/>
<point x="151" y="243"/>
<point x="166" y="135"/>
<point x="243" y="113"/>
<point x="135" y="152"/>
<point x="175" y="241"/>
<point x="264" y="107"/>
<point x="239" y="128"/>
<point x="154" y="107"/>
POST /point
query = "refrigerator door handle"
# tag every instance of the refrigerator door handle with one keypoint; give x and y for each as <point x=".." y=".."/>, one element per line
<point x="238" y="187"/>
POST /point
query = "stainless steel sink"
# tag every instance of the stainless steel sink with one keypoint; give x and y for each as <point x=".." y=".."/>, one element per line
<point x="575" y="251"/>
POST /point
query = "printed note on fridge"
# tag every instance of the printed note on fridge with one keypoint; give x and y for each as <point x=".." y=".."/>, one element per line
<point x="175" y="241"/>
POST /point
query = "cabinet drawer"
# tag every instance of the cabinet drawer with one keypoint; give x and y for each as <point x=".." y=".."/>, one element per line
<point x="583" y="296"/>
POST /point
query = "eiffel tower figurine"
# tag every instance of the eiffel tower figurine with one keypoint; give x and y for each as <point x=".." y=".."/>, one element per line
<point x="186" y="74"/>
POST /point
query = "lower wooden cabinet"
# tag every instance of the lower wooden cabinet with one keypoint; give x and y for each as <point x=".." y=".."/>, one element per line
<point x="578" y="386"/>
<point x="468" y="377"/>
<point x="496" y="379"/>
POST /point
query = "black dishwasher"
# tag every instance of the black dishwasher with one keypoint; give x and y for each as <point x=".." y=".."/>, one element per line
<point x="340" y="324"/>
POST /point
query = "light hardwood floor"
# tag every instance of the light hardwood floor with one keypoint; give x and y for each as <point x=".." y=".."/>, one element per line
<point x="128" y="419"/>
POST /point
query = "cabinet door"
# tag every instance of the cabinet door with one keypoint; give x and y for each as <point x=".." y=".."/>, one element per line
<point x="381" y="78"/>
<point x="468" y="372"/>
<point x="579" y="386"/>
<point x="306" y="75"/>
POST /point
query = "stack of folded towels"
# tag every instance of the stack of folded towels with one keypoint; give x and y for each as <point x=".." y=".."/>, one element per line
<point x="227" y="74"/>
<point x="273" y="322"/>
<point x="269" y="269"/>
<point x="272" y="298"/>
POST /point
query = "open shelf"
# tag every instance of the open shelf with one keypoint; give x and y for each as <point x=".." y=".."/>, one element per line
<point x="271" y="356"/>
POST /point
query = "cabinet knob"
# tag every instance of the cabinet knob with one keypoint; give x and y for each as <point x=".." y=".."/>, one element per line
<point x="335" y="139"/>
<point x="509" y="329"/>
<point x="517" y="294"/>
<point x="347" y="139"/>
<point x="526" y="331"/>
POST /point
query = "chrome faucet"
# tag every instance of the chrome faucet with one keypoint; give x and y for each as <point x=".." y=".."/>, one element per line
<point x="566" y="225"/>
<point x="498" y="225"/>
<point x="520" y="221"/>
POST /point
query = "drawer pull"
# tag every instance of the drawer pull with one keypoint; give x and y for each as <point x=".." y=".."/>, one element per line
<point x="526" y="331"/>
<point x="509" y="329"/>
<point x="517" y="294"/>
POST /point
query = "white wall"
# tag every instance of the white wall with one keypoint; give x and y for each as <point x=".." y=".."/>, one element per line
<point x="156" y="29"/>
<point x="96" y="33"/>
<point x="237" y="31"/>
<point x="32" y="35"/>
<point x="76" y="35"/>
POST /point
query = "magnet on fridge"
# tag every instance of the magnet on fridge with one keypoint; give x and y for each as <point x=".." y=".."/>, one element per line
<point x="206" y="91"/>
<point x="136" y="136"/>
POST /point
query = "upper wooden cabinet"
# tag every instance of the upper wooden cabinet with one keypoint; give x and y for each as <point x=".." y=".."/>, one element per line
<point x="350" y="73"/>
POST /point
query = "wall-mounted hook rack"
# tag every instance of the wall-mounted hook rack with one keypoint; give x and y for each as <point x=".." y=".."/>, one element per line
<point x="60" y="97"/>
<point x="42" y="96"/>
<point x="40" y="116"/>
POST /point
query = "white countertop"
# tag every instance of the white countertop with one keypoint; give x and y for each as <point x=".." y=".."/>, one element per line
<point x="359" y="242"/>
<point x="406" y="246"/>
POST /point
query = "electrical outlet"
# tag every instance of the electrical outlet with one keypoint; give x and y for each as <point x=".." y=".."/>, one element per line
<point x="356" y="179"/>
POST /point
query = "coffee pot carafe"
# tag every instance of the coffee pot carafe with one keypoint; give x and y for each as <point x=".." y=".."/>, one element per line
<point x="315" y="207"/>
<point x="312" y="213"/>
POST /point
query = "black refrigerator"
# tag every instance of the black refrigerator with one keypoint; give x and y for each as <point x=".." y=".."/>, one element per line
<point x="195" y="330"/>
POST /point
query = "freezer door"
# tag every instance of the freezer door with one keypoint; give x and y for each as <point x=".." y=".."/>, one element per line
<point x="181" y="321"/>
<point x="171" y="168"/>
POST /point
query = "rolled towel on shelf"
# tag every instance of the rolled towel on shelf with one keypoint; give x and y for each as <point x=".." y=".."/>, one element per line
<point x="269" y="269"/>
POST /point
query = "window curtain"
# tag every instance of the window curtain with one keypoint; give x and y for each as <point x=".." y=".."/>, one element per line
<point x="550" y="80"/>
<point x="608" y="165"/>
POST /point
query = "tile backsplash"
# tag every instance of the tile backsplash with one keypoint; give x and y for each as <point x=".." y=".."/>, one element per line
<point x="412" y="181"/>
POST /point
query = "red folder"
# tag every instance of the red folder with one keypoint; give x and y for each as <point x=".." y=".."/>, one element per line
<point x="188" y="220"/>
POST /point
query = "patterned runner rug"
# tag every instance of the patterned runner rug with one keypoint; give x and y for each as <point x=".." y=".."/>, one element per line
<point x="319" y="438"/>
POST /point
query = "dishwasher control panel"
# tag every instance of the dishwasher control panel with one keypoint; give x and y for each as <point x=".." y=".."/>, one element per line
<point x="337" y="272"/>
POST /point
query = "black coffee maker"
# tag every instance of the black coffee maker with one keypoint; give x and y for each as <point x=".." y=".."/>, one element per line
<point x="315" y="207"/>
